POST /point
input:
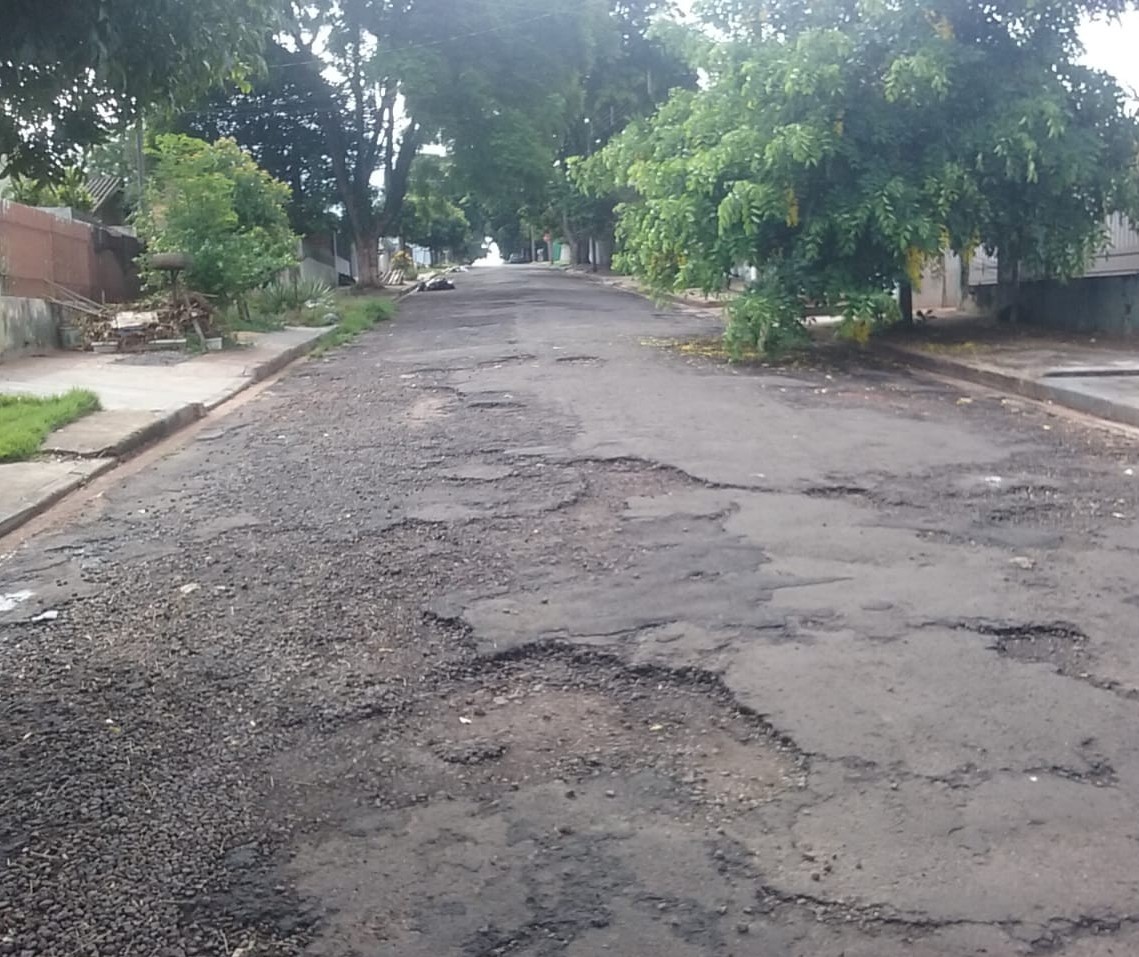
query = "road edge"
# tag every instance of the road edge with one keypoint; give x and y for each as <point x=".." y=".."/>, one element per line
<point x="1028" y="388"/>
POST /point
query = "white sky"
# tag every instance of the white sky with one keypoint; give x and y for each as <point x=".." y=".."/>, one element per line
<point x="1112" y="47"/>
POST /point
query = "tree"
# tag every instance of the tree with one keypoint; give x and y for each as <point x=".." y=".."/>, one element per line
<point x="70" y="71"/>
<point x="214" y="203"/>
<point x="840" y="145"/>
<point x="278" y="123"/>
<point x="639" y="63"/>
<point x="377" y="79"/>
<point x="433" y="215"/>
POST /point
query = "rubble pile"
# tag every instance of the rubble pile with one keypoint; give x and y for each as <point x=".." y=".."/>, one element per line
<point x="190" y="316"/>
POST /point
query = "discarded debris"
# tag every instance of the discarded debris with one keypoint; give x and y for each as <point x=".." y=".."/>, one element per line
<point x="1022" y="561"/>
<point x="50" y="615"/>
<point x="12" y="599"/>
<point x="435" y="284"/>
<point x="189" y="588"/>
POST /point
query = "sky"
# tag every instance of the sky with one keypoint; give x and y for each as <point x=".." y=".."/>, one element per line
<point x="1112" y="45"/>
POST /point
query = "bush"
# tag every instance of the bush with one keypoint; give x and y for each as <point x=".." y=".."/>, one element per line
<point x="282" y="296"/>
<point x="214" y="203"/>
<point x="765" y="319"/>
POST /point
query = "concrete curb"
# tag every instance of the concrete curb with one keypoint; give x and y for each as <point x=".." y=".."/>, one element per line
<point x="263" y="370"/>
<point x="9" y="523"/>
<point x="159" y="428"/>
<point x="1017" y="385"/>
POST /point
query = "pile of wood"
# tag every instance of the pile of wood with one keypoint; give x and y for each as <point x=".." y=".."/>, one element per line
<point x="161" y="318"/>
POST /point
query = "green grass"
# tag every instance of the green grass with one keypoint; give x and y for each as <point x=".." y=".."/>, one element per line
<point x="357" y="314"/>
<point x="25" y="420"/>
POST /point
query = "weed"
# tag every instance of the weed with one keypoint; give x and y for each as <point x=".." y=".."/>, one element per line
<point x="357" y="314"/>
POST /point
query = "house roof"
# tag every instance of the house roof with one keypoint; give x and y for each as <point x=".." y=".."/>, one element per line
<point x="102" y="186"/>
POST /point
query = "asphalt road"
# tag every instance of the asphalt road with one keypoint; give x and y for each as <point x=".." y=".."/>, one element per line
<point x="514" y="629"/>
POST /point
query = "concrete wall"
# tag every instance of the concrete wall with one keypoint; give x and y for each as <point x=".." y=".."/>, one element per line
<point x="27" y="327"/>
<point x="312" y="270"/>
<point x="1099" y="304"/>
<point x="941" y="284"/>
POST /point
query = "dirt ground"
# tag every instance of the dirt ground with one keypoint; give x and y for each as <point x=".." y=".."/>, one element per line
<point x="512" y="630"/>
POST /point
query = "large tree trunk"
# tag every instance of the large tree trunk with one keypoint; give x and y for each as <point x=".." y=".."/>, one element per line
<point x="368" y="261"/>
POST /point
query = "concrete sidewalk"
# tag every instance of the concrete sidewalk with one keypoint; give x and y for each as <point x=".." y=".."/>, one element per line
<point x="145" y="397"/>
<point x="1094" y="375"/>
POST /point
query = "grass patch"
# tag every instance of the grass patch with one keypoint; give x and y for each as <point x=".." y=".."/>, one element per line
<point x="25" y="420"/>
<point x="357" y="314"/>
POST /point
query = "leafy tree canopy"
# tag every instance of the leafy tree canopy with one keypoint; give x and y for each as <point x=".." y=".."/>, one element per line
<point x="356" y="87"/>
<point x="433" y="214"/>
<point x="839" y="145"/>
<point x="214" y="203"/>
<point x="71" y="69"/>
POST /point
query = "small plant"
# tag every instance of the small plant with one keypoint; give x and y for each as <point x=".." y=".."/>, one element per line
<point x="866" y="314"/>
<point x="766" y="319"/>
<point x="214" y="203"/>
<point x="357" y="314"/>
<point x="281" y="296"/>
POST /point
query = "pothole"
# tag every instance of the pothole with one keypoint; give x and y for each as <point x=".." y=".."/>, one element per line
<point x="1058" y="643"/>
<point x="548" y="713"/>
<point x="834" y="491"/>
<point x="502" y="404"/>
<point x="582" y="360"/>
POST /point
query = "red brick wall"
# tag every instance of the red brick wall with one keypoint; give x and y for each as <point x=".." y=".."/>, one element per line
<point x="38" y="249"/>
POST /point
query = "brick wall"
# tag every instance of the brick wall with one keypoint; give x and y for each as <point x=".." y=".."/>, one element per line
<point x="38" y="249"/>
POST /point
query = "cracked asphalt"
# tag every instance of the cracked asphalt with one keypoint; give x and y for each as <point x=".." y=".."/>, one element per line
<point x="514" y="630"/>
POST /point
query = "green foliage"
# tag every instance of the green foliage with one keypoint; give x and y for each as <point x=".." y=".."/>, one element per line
<point x="357" y="314"/>
<point x="25" y="421"/>
<point x="638" y="65"/>
<point x="766" y="319"/>
<point x="286" y="295"/>
<point x="69" y="189"/>
<point x="840" y="145"/>
<point x="432" y="216"/>
<point x="70" y="72"/>
<point x="213" y="202"/>
<point x="359" y="86"/>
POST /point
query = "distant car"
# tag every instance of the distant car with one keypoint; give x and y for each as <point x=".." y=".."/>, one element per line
<point x="516" y="258"/>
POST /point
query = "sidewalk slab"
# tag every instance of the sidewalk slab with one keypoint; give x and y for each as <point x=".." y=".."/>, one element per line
<point x="29" y="488"/>
<point x="117" y="433"/>
<point x="147" y="383"/>
<point x="1098" y="382"/>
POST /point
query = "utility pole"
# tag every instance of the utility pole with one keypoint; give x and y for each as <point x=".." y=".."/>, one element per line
<point x="140" y="162"/>
<point x="533" y="246"/>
